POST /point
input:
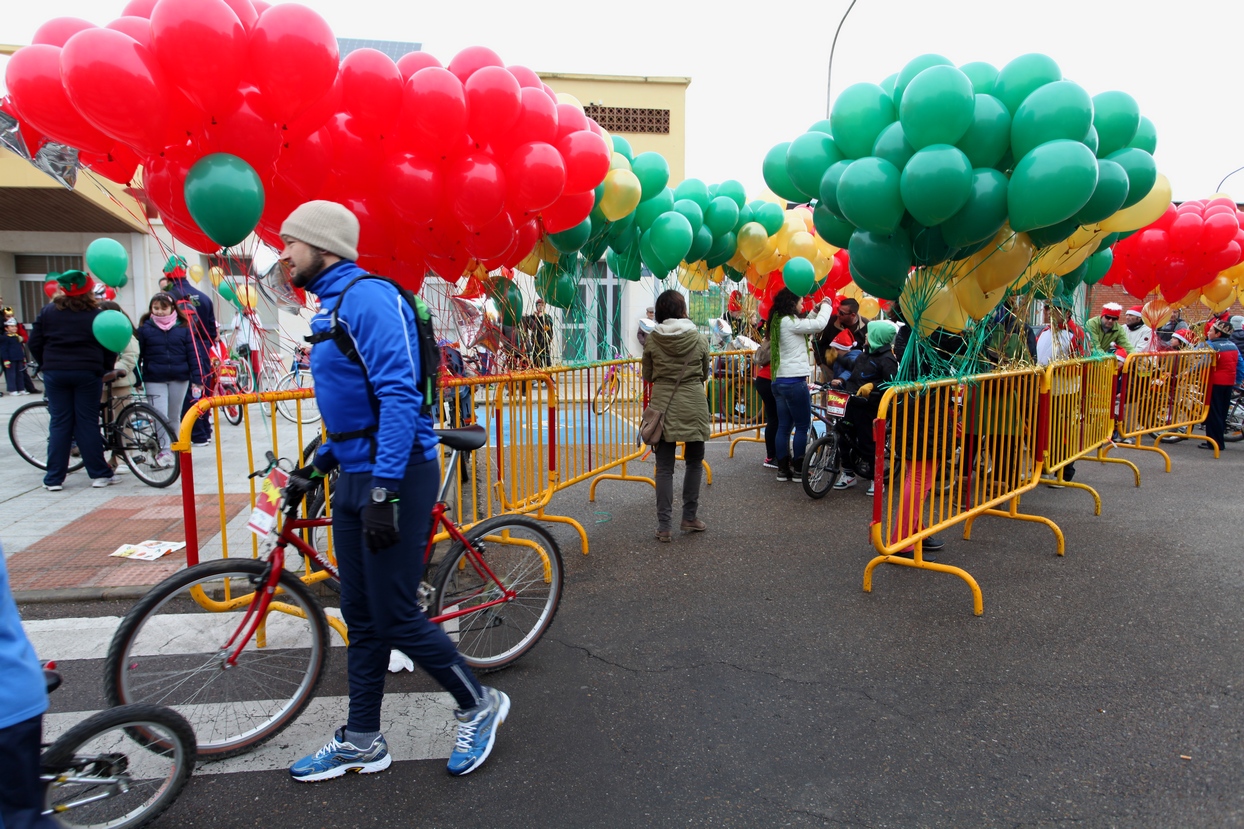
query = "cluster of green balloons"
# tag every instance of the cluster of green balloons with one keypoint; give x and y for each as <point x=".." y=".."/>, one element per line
<point x="927" y="166"/>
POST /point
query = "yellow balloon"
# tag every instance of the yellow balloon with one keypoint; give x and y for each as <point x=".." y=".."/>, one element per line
<point x="925" y="289"/>
<point x="1234" y="273"/>
<point x="567" y="98"/>
<point x="738" y="261"/>
<point x="216" y="275"/>
<point x="546" y="251"/>
<point x="1156" y="313"/>
<point x="530" y="263"/>
<point x="976" y="303"/>
<point x="247" y="296"/>
<point x="621" y="194"/>
<point x="752" y="240"/>
<point x="769" y="263"/>
<point x="617" y="161"/>
<point x="999" y="263"/>
<point x="852" y="290"/>
<point x="1219" y="288"/>
<point x="716" y="275"/>
<point x="757" y="279"/>
<point x="869" y="308"/>
<point x="693" y="279"/>
<point x="1076" y="258"/>
<point x="825" y="248"/>
<point x="1221" y="305"/>
<point x="821" y="266"/>
<point x="195" y="272"/>
<point x="604" y="133"/>
<point x="1146" y="211"/>
<point x="802" y="244"/>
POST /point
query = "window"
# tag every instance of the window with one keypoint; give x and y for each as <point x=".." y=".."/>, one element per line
<point x="42" y="265"/>
<point x="630" y="119"/>
<point x="31" y="272"/>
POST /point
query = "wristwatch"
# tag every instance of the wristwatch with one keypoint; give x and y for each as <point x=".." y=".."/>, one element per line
<point x="380" y="495"/>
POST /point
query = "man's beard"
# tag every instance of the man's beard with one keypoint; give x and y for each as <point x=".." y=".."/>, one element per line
<point x="1132" y="326"/>
<point x="303" y="277"/>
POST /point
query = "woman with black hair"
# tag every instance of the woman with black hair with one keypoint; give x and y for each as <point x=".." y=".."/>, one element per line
<point x="788" y="363"/>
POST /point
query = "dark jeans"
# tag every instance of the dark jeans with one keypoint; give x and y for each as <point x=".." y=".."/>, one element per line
<point x="21" y="796"/>
<point x="764" y="387"/>
<point x="1216" y="421"/>
<point x="380" y="596"/>
<point x="858" y="428"/>
<point x="73" y="406"/>
<point x="12" y="379"/>
<point x="694" y="455"/>
<point x="794" y="405"/>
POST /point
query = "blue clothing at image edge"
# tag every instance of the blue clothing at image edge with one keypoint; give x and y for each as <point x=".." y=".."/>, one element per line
<point x="23" y="693"/>
<point x="382" y="326"/>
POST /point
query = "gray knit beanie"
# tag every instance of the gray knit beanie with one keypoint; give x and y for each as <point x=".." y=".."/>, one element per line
<point x="325" y="225"/>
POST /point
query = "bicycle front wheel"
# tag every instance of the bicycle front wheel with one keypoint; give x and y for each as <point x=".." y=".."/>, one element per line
<point x="605" y="396"/>
<point x="29" y="430"/>
<point x="1235" y="422"/>
<point x="821" y="464"/>
<point x="120" y="768"/>
<point x="171" y="650"/>
<point x="142" y="437"/>
<point x="306" y="411"/>
<point x="525" y="558"/>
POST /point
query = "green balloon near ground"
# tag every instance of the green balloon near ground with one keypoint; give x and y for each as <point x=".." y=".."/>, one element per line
<point x="1056" y="110"/>
<point x="937" y="107"/>
<point x="672" y="236"/>
<point x="107" y="260"/>
<point x="653" y="172"/>
<point x="1098" y="264"/>
<point x="773" y="168"/>
<point x="691" y="211"/>
<point x="807" y="159"/>
<point x="1023" y="76"/>
<point x="882" y="260"/>
<point x="733" y="190"/>
<point x="509" y="300"/>
<point x="1146" y="137"/>
<point x="858" y="116"/>
<point x="799" y="276"/>
<point x="622" y="147"/>
<point x="831" y="228"/>
<point x="1116" y="115"/>
<point x="869" y="197"/>
<point x="829" y="186"/>
<point x="701" y="244"/>
<point x="112" y="330"/>
<point x="989" y="138"/>
<point x="892" y="145"/>
<point x="1043" y="237"/>
<point x="770" y="217"/>
<point x="913" y="68"/>
<point x="1141" y="171"/>
<point x="569" y="241"/>
<point x="982" y="75"/>
<point x="625" y="266"/>
<point x="1051" y="184"/>
<point x="722" y="215"/>
<point x="649" y="209"/>
<point x="983" y="214"/>
<point x="693" y="190"/>
<point x="225" y="197"/>
<point x="722" y="249"/>
<point x="822" y="125"/>
<point x="1108" y="196"/>
<point x="936" y="183"/>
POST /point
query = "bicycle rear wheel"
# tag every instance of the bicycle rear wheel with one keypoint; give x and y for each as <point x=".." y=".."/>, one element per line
<point x="525" y="559"/>
<point x="120" y="768"/>
<point x="1235" y="421"/>
<point x="170" y="650"/>
<point x="29" y="429"/>
<point x="821" y="465"/>
<point x="142" y="436"/>
<point x="295" y="410"/>
<point x="605" y="395"/>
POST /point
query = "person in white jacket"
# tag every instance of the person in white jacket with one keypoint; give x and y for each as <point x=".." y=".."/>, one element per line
<point x="790" y="366"/>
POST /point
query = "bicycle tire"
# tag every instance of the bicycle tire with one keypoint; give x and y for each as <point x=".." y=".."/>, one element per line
<point x="29" y="429"/>
<point x="136" y="436"/>
<point x="233" y="413"/>
<point x="457" y="582"/>
<point x="291" y="410"/>
<point x="147" y="733"/>
<point x="144" y="653"/>
<point x="821" y="465"/>
<point x="606" y="395"/>
<point x="1234" y="432"/>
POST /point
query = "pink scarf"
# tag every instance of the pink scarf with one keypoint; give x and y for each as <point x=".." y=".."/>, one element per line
<point x="165" y="321"/>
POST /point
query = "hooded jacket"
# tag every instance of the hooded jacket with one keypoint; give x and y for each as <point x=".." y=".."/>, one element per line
<point x="672" y="346"/>
<point x="793" y="343"/>
<point x="1227" y="369"/>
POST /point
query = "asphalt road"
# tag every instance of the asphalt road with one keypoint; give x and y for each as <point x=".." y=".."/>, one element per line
<point x="740" y="677"/>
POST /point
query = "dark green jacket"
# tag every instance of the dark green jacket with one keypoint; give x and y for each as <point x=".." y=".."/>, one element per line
<point x="669" y="347"/>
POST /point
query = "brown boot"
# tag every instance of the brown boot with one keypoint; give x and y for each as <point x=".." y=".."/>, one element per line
<point x="695" y="525"/>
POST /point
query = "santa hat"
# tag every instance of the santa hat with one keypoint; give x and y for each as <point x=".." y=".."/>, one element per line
<point x="1135" y="311"/>
<point x="1183" y="335"/>
<point x="735" y="303"/>
<point x="1111" y="309"/>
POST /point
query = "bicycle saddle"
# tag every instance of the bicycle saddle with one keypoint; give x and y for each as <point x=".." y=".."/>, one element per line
<point x="464" y="439"/>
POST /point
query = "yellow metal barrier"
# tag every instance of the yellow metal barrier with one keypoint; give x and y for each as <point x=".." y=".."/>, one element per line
<point x="1162" y="393"/>
<point x="959" y="449"/>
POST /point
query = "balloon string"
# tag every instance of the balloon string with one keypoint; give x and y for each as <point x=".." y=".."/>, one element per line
<point x="829" y="75"/>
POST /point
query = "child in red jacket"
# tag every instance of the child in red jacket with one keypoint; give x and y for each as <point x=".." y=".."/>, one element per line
<point x="1228" y="371"/>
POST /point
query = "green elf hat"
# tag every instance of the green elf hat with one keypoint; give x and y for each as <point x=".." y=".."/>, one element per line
<point x="74" y="283"/>
<point x="175" y="266"/>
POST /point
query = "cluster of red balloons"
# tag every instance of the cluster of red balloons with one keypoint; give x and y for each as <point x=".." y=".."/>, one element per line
<point x="1180" y="252"/>
<point x="445" y="166"/>
<point x="838" y="277"/>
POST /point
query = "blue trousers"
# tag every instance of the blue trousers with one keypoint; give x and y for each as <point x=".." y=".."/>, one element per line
<point x="73" y="405"/>
<point x="380" y="596"/>
<point x="794" y="405"/>
<point x="21" y="796"/>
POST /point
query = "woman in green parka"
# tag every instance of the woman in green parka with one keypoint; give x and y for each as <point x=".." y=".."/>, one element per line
<point x="675" y="349"/>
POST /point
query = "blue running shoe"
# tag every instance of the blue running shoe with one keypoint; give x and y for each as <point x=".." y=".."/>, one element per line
<point x="477" y="729"/>
<point x="338" y="757"/>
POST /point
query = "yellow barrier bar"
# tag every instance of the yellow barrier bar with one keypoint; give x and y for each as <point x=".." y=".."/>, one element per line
<point x="1162" y="392"/>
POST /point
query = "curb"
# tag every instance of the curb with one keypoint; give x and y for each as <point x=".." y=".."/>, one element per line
<point x="81" y="594"/>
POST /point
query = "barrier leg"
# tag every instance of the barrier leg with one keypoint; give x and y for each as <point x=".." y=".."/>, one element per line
<point x="562" y="519"/>
<point x="1214" y="444"/>
<point x="1100" y="457"/>
<point x="1096" y="498"/>
<point x="1139" y="447"/>
<point x="917" y="561"/>
<point x="622" y="476"/>
<point x="1014" y="512"/>
<point x="757" y="438"/>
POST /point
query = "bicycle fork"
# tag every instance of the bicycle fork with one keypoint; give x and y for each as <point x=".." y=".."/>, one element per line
<point x="258" y="610"/>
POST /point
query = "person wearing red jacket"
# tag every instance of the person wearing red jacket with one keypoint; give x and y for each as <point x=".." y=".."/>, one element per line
<point x="1227" y="371"/>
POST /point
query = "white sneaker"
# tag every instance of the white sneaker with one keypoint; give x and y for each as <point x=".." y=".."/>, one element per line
<point x="53" y="487"/>
<point x="872" y="487"/>
<point x="15" y="394"/>
<point x="100" y="483"/>
<point x="845" y="481"/>
<point x="164" y="460"/>
<point x="201" y="443"/>
<point x="121" y="469"/>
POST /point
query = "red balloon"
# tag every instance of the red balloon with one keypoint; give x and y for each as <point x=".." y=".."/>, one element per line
<point x="355" y="152"/>
<point x="1193" y="206"/>
<point x="527" y="234"/>
<point x="415" y="187"/>
<point x="472" y="58"/>
<point x="371" y="87"/>
<point x="58" y="30"/>
<point x="50" y="288"/>
<point x="569" y="119"/>
<point x="279" y="202"/>
<point x="548" y="90"/>
<point x="1227" y="256"/>
<point x="476" y="187"/>
<point x="138" y="8"/>
<point x="535" y="175"/>
<point x="434" y="109"/>
<point x="1185" y="232"/>
<point x="494" y="102"/>
<point x="1221" y="201"/>
<point x="596" y="128"/>
<point x="587" y="160"/>
<point x="202" y="46"/>
<point x="1220" y="228"/>
<point x="316" y="115"/>
<point x="526" y="78"/>
<point x="492" y="239"/>
<point x="375" y="227"/>
<point x="246" y="13"/>
<point x="568" y="211"/>
<point x="118" y="86"/>
<point x="246" y="134"/>
<point x="1165" y="221"/>
<point x="288" y="37"/>
<point x="260" y="6"/>
<point x="442" y="237"/>
<point x="1215" y="209"/>
<point x="36" y="90"/>
<point x="448" y="268"/>
<point x="34" y="140"/>
<point x="1152" y="245"/>
<point x="408" y="273"/>
<point x="303" y="166"/>
<point x="537" y="121"/>
<point x="119" y="164"/>
<point x="138" y="28"/>
<point x="411" y="62"/>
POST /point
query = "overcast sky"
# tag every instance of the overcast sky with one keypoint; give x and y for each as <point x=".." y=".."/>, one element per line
<point x="758" y="69"/>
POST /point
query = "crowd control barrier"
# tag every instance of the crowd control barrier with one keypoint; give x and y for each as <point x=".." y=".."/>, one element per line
<point x="1162" y="393"/>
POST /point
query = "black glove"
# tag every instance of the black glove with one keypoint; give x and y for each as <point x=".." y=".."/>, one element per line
<point x="380" y="521"/>
<point x="303" y="480"/>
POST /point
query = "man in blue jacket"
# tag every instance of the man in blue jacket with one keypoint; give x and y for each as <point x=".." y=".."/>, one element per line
<point x="381" y="438"/>
<point x="202" y="315"/>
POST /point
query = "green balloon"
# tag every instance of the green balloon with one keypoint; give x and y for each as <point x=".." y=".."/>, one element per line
<point x="625" y="266"/>
<point x="883" y="261"/>
<point x="770" y="217"/>
<point x="936" y="183"/>
<point x="1061" y="109"/>
<point x="693" y="190"/>
<point x="691" y="210"/>
<point x="226" y="291"/>
<point x="913" y="68"/>
<point x="653" y="172"/>
<point x="1043" y="237"/>
<point x="937" y="107"/>
<point x="893" y="147"/>
<point x="1108" y="196"/>
<point x="1091" y="140"/>
<point x="799" y="276"/>
<point x="1146" y="137"/>
<point x="225" y="197"/>
<point x="649" y="209"/>
<point x="829" y="186"/>
<point x="701" y="244"/>
<point x="722" y="250"/>
<point x="595" y="249"/>
<point x="569" y="241"/>
<point x="622" y="147"/>
<point x="671" y="236"/>
<point x="807" y="159"/>
<point x="1072" y="278"/>
<point x="625" y="240"/>
<point x="509" y="300"/>
<point x="822" y="125"/>
<point x="1051" y="184"/>
<point x="1141" y="171"/>
<point x="1117" y="117"/>
<point x="776" y="178"/>
<point x="745" y="216"/>
<point x="107" y="260"/>
<point x="989" y="137"/>
<point x="557" y="288"/>
<point x="982" y="76"/>
<point x="732" y="274"/>
<point x="887" y="83"/>
<point x="658" y="268"/>
<point x="983" y="214"/>
<point x="928" y="245"/>
<point x="722" y="215"/>
<point x="831" y="228"/>
<point x="734" y="191"/>
<point x="1098" y="263"/>
<point x="869" y="197"/>
<point x="112" y="330"/>
<point x="858" y="116"/>
<point x="1023" y="76"/>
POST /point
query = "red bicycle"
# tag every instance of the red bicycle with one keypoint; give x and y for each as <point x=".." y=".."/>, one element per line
<point x="238" y="646"/>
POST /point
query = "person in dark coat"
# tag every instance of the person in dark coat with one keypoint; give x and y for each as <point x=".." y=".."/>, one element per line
<point x="200" y="313"/>
<point x="13" y="354"/>
<point x="168" y="361"/>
